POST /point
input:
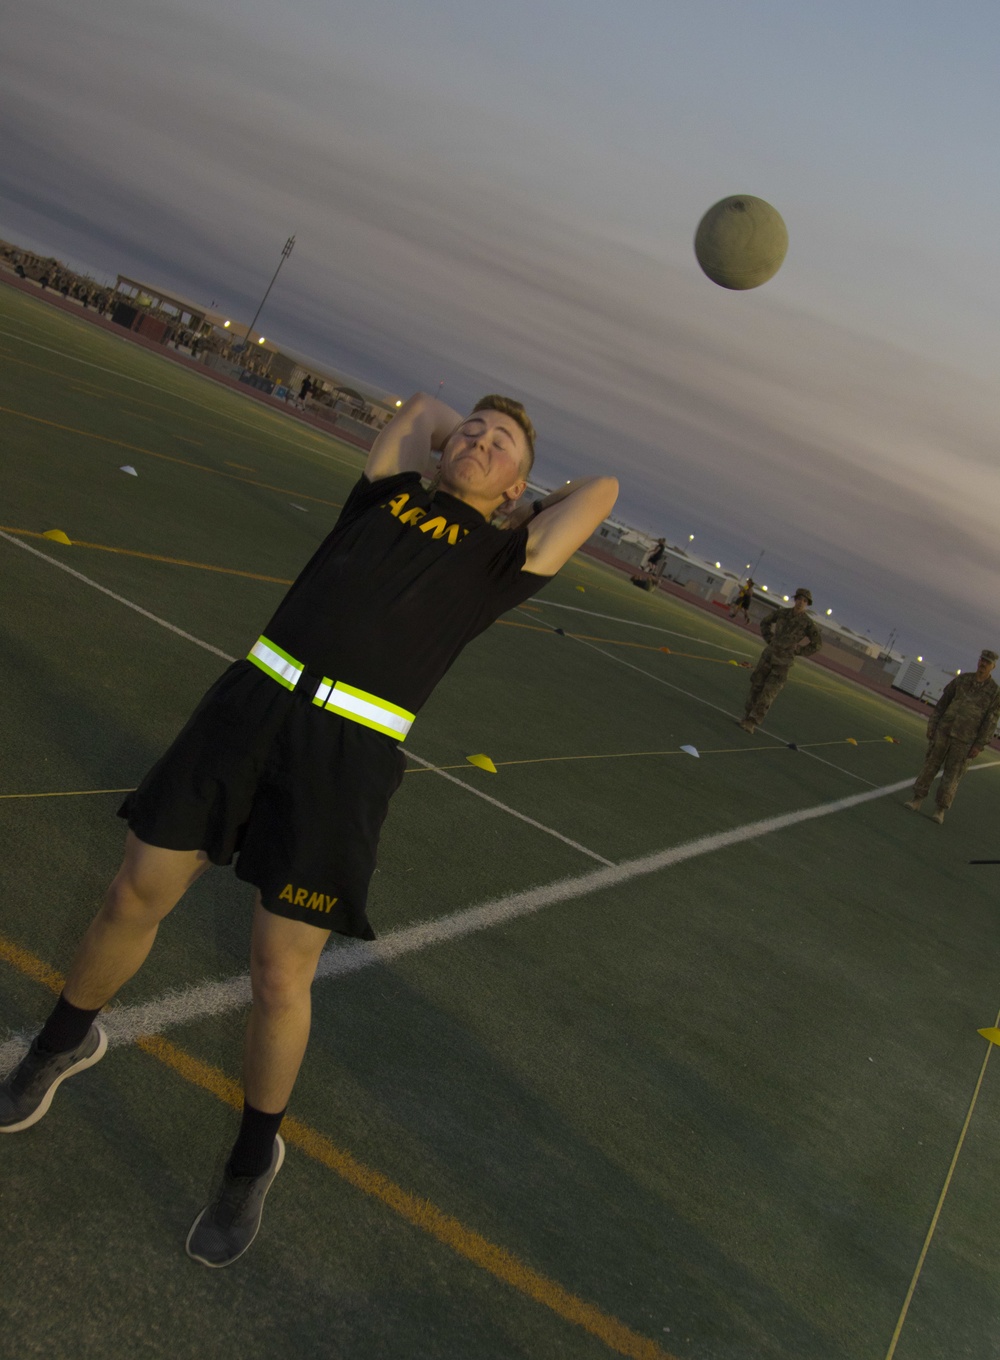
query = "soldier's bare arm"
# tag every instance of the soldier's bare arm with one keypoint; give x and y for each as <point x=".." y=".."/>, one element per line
<point x="567" y="519"/>
<point x="419" y="429"/>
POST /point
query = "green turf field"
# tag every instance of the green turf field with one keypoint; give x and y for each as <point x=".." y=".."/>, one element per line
<point x="691" y="1084"/>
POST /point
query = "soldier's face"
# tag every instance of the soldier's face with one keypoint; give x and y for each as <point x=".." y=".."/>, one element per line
<point x="984" y="668"/>
<point x="484" y="458"/>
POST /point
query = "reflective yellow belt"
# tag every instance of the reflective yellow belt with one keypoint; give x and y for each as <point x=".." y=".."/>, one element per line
<point x="357" y="704"/>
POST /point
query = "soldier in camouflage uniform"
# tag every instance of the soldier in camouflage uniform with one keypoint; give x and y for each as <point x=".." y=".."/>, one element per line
<point x="788" y="633"/>
<point x="963" y="721"/>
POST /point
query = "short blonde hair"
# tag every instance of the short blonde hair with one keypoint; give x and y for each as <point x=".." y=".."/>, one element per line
<point x="509" y="407"/>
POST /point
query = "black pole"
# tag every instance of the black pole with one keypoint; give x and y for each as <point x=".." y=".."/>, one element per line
<point x="286" y="251"/>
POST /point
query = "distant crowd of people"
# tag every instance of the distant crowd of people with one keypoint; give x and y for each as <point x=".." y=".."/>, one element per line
<point x="198" y="341"/>
<point x="59" y="280"/>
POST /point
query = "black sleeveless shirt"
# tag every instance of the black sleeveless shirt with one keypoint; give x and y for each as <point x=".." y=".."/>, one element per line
<point x="398" y="587"/>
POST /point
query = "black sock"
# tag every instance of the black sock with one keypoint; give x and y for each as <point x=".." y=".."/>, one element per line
<point x="66" y="1027"/>
<point x="254" y="1146"/>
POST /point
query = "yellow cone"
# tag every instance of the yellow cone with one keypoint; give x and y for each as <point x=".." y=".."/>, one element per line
<point x="993" y="1034"/>
<point x="894" y="740"/>
<point x="482" y="763"/>
<point x="731" y="662"/>
<point x="581" y="590"/>
<point x="57" y="536"/>
<point x="851" y="741"/>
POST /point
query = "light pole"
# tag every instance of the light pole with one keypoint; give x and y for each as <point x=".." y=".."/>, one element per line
<point x="285" y="252"/>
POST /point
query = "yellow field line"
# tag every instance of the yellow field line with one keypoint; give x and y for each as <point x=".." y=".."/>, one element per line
<point x="612" y="755"/>
<point x="532" y="760"/>
<point x="617" y="642"/>
<point x="166" y="457"/>
<point x="285" y="581"/>
<point x="502" y="1264"/>
<point x="940" y="1205"/>
<point x="842" y="741"/>
<point x="496" y="1261"/>
<point x="157" y="557"/>
<point x="628" y="755"/>
<point x="102" y="393"/>
<point x="69" y="793"/>
<point x="30" y="965"/>
<point x="318" y="435"/>
<point x="537" y="628"/>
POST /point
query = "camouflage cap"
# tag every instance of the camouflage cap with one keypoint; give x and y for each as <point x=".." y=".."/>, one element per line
<point x="986" y="655"/>
<point x="804" y="594"/>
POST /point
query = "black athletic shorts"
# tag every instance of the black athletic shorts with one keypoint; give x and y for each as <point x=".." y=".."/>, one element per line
<point x="297" y="792"/>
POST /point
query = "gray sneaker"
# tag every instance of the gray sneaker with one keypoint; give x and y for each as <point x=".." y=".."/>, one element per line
<point x="226" y="1227"/>
<point x="27" y="1092"/>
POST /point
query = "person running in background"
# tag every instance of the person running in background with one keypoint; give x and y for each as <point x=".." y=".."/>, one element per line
<point x="743" y="601"/>
<point x="652" y="565"/>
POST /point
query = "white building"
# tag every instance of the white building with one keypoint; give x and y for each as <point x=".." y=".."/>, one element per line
<point x="922" y="680"/>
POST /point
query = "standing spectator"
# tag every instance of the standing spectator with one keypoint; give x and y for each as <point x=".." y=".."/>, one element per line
<point x="964" y="719"/>
<point x="788" y="633"/>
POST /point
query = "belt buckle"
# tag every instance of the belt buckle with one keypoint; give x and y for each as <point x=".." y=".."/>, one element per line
<point x="308" y="685"/>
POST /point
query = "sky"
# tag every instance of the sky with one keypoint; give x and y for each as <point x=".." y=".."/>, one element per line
<point x="505" y="198"/>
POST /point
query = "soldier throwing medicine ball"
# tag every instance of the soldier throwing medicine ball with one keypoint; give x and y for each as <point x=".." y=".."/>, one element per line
<point x="788" y="633"/>
<point x="291" y="758"/>
<point x="964" y="719"/>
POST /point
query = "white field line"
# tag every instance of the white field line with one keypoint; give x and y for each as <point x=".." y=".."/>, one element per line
<point x="655" y="627"/>
<point x="120" y="599"/>
<point x="708" y="703"/>
<point x="207" y="646"/>
<point x="179" y="396"/>
<point x="469" y="788"/>
<point x="127" y="1023"/>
